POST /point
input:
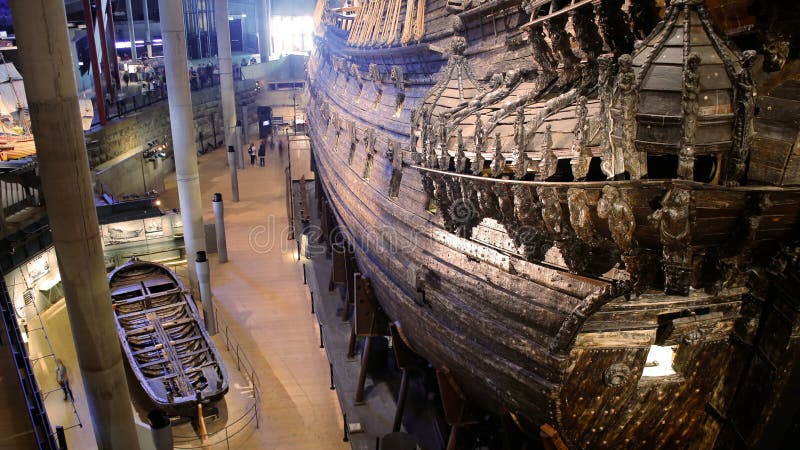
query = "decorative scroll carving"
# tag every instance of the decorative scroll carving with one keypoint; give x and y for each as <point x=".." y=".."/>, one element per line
<point x="499" y="160"/>
<point x="580" y="216"/>
<point x="549" y="162"/>
<point x="460" y="162"/>
<point x="583" y="156"/>
<point x="690" y="105"/>
<point x="605" y="84"/>
<point x="551" y="209"/>
<point x="397" y="76"/>
<point x="743" y="128"/>
<point x="629" y="98"/>
<point x="617" y="375"/>
<point x="520" y="157"/>
<point x="673" y="223"/>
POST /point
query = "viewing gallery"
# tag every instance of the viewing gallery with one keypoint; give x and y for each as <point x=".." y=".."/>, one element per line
<point x="400" y="224"/>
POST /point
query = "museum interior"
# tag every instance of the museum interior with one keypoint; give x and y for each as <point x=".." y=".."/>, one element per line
<point x="399" y="224"/>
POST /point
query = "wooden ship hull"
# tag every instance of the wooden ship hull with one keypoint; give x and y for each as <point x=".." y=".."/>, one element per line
<point x="545" y="299"/>
<point x="163" y="338"/>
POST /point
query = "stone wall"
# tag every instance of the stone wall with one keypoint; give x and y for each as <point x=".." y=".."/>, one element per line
<point x="115" y="150"/>
<point x="152" y="123"/>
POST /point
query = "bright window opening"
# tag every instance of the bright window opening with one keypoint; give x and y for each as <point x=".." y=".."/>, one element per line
<point x="659" y="361"/>
<point x="291" y="34"/>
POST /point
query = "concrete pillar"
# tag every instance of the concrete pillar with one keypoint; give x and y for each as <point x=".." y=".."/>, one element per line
<point x="148" y="40"/>
<point x="204" y="278"/>
<point x="234" y="178"/>
<point x="182" y="124"/>
<point x="227" y="93"/>
<point x="131" y="34"/>
<point x="219" y="220"/>
<point x="41" y="29"/>
<point x="239" y="145"/>
<point x="264" y="18"/>
<point x="245" y="132"/>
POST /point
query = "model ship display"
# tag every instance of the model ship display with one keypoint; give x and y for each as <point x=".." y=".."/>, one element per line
<point x="163" y="338"/>
<point x="585" y="215"/>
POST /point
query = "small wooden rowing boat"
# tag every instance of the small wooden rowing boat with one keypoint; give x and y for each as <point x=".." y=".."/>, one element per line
<point x="163" y="338"/>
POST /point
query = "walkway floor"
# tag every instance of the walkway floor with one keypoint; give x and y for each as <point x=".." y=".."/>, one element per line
<point x="260" y="292"/>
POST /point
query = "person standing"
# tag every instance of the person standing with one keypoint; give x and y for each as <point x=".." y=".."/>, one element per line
<point x="252" y="152"/>
<point x="262" y="153"/>
<point x="63" y="380"/>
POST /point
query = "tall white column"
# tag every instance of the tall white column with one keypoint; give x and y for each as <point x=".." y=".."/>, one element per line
<point x="131" y="34"/>
<point x="264" y="18"/>
<point x="182" y="124"/>
<point x="41" y="30"/>
<point x="226" y="78"/>
<point x="148" y="39"/>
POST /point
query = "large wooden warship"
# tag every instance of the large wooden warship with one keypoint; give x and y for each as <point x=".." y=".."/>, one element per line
<point x="584" y="213"/>
<point x="163" y="338"/>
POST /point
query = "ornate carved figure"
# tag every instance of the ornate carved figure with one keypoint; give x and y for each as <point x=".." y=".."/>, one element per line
<point x="428" y="188"/>
<point x="628" y="98"/>
<point x="549" y="163"/>
<point x="374" y="73"/>
<point x="480" y="147"/>
<point x="443" y="157"/>
<point x="690" y="105"/>
<point x="499" y="160"/>
<point x="586" y="32"/>
<point x="542" y="52"/>
<point x="617" y="375"/>
<point x="644" y="17"/>
<point x="583" y="156"/>
<point x="460" y="161"/>
<point x="397" y="168"/>
<point x="551" y="209"/>
<point x="487" y="200"/>
<point x="397" y="76"/>
<point x="519" y="154"/>
<point x="743" y="128"/>
<point x="465" y="210"/>
<point x="605" y="85"/>
<point x="672" y="222"/>
<point x="621" y="221"/>
<point x="557" y="29"/>
<point x="579" y="214"/>
<point x="614" y="25"/>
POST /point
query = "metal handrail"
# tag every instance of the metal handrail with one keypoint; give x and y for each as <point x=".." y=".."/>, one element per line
<point x="251" y="413"/>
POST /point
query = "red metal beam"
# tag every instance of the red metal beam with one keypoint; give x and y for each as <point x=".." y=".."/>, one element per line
<point x="110" y="17"/>
<point x="104" y="47"/>
<point x="98" y="86"/>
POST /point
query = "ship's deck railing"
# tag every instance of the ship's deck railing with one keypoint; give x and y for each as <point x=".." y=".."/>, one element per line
<point x="340" y="18"/>
<point x="251" y="413"/>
